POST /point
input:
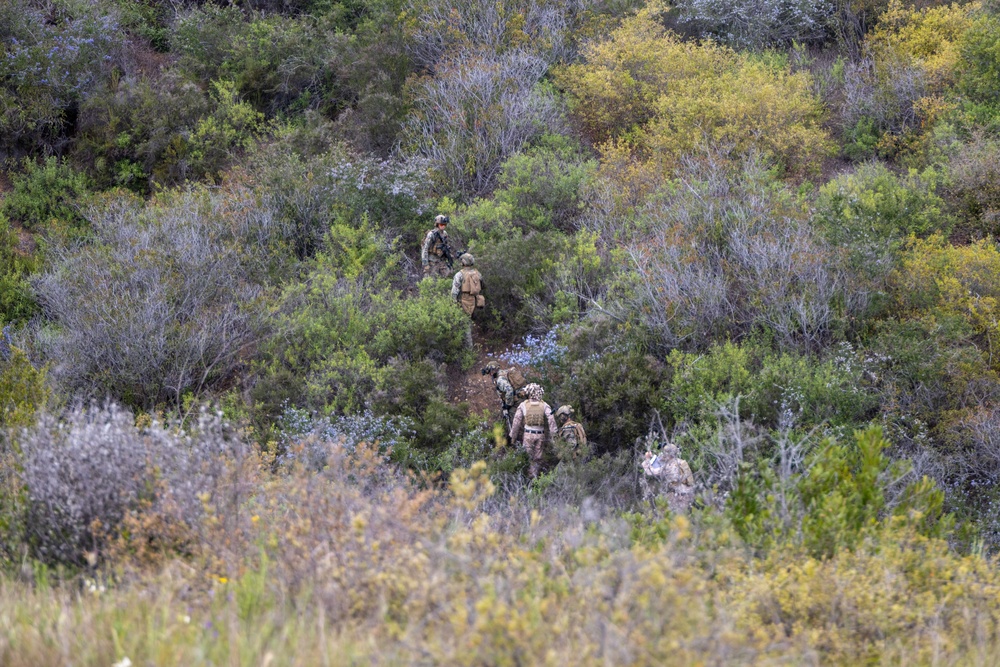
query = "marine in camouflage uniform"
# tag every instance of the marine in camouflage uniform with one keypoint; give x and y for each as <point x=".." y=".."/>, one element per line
<point x="467" y="286"/>
<point x="532" y="420"/>
<point x="571" y="434"/>
<point x="668" y="475"/>
<point x="434" y="249"/>
<point x="504" y="388"/>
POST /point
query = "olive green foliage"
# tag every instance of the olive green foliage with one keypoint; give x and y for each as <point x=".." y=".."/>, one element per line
<point x="979" y="80"/>
<point x="16" y="300"/>
<point x="974" y="186"/>
<point x="775" y="389"/>
<point x="870" y="212"/>
<point x="614" y="394"/>
<point x="348" y="319"/>
<point x="874" y="205"/>
<point x="273" y="61"/>
<point x="49" y="193"/>
<point x="835" y="500"/>
<point x="23" y="390"/>
<point x="542" y="186"/>
<point x="55" y="53"/>
<point x="134" y="131"/>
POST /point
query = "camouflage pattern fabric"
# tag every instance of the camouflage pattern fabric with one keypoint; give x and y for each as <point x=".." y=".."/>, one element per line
<point x="668" y="476"/>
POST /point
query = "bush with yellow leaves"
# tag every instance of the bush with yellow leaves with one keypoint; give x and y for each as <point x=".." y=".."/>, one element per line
<point x="645" y="91"/>
<point x="939" y="278"/>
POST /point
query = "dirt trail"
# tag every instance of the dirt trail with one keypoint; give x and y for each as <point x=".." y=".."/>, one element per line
<point x="472" y="386"/>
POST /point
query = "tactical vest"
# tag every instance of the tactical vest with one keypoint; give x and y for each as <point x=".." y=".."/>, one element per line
<point x="534" y="414"/>
<point x="438" y="240"/>
<point x="471" y="281"/>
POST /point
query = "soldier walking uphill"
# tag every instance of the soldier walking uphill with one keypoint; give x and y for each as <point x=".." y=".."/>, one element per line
<point x="533" y="418"/>
<point x="572" y="435"/>
<point x="509" y="386"/>
<point x="436" y="253"/>
<point x="467" y="286"/>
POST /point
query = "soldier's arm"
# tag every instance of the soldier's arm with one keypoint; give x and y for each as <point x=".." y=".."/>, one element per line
<point x="515" y="428"/>
<point x="425" y="249"/>
<point x="553" y="429"/>
<point x="456" y="286"/>
<point x="508" y="392"/>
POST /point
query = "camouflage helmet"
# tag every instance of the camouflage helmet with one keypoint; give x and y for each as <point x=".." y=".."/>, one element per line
<point x="491" y="368"/>
<point x="466" y="259"/>
<point x="441" y="220"/>
<point x="670" y="451"/>
<point x="564" y="412"/>
<point x="534" y="391"/>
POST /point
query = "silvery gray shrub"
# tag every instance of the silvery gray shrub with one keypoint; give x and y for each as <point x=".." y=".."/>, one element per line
<point x="83" y="471"/>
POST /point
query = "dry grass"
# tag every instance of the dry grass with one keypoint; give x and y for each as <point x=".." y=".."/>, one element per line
<point x="361" y="564"/>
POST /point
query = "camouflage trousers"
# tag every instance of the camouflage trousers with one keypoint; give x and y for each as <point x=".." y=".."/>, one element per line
<point x="679" y="497"/>
<point x="438" y="268"/>
<point x="534" y="444"/>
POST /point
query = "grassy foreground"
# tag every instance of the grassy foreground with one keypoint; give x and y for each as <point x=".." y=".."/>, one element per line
<point x="359" y="564"/>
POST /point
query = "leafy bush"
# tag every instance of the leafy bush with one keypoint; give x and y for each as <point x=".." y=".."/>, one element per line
<point x="775" y="390"/>
<point x="426" y="327"/>
<point x="16" y="300"/>
<point x="54" y="55"/>
<point x="897" y="90"/>
<point x="347" y="323"/>
<point x="337" y="187"/>
<point x="23" y="388"/>
<point x="542" y="186"/>
<point x="831" y="498"/>
<point x="979" y="80"/>
<point x="974" y="185"/>
<point x="936" y="277"/>
<point x="663" y="97"/>
<point x="167" y="299"/>
<point x="46" y="193"/>
<point x="272" y="61"/>
<point x="614" y="394"/>
<point x="871" y="210"/>
<point x="134" y="133"/>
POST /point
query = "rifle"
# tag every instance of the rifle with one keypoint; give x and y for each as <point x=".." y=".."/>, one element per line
<point x="445" y="246"/>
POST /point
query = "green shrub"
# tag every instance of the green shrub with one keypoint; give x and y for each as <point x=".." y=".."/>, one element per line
<point x="542" y="185"/>
<point x="427" y="326"/>
<point x="416" y="391"/>
<point x="55" y="54"/>
<point x="835" y="500"/>
<point x="273" y="61"/>
<point x="23" y="388"/>
<point x="135" y="131"/>
<point x="875" y="207"/>
<point x="979" y="78"/>
<point x="46" y="193"/>
<point x="614" y="394"/>
<point x="16" y="299"/>
<point x="776" y="390"/>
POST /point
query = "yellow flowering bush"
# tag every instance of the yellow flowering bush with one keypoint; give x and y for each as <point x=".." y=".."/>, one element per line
<point x="937" y="277"/>
<point x="645" y="91"/>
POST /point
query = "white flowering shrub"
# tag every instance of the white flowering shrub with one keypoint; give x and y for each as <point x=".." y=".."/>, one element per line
<point x="54" y="55"/>
<point x="310" y="439"/>
<point x="756" y="24"/>
<point x="84" y="471"/>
